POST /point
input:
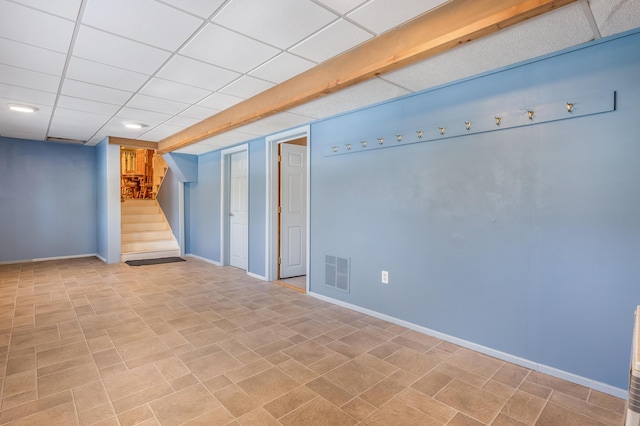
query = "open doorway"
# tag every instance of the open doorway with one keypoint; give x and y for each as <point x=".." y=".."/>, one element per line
<point x="141" y="173"/>
<point x="287" y="210"/>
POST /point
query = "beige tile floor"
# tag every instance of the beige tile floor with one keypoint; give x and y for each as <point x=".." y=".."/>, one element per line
<point x="85" y="343"/>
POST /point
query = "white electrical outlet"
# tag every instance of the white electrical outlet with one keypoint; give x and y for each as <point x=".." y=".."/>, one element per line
<point x="385" y="277"/>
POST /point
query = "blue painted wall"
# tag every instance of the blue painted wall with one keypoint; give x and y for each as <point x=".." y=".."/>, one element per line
<point x="523" y="240"/>
<point x="203" y="211"/>
<point x="47" y="200"/>
<point x="168" y="198"/>
<point x="102" y="201"/>
<point x="257" y="205"/>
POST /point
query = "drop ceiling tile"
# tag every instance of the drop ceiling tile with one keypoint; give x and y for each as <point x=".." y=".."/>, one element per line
<point x="30" y="57"/>
<point x="228" y="49"/>
<point x="151" y="103"/>
<point x="342" y="6"/>
<point x="119" y="52"/>
<point x="148" y="118"/>
<point x="86" y="105"/>
<point x="32" y="97"/>
<point x="202" y="8"/>
<point x="23" y="126"/>
<point x="147" y="21"/>
<point x="28" y="133"/>
<point x="33" y="27"/>
<point x="220" y="101"/>
<point x="382" y="15"/>
<point x="29" y="79"/>
<point x="104" y="75"/>
<point x="66" y="8"/>
<point x="358" y="96"/>
<point x="115" y="127"/>
<point x="71" y="124"/>
<point x="79" y="89"/>
<point x="197" y="73"/>
<point x="615" y="16"/>
<point x="282" y="67"/>
<point x="198" y="112"/>
<point x="160" y="132"/>
<point x="181" y="121"/>
<point x="331" y="41"/>
<point x="246" y="87"/>
<point x="178" y="92"/>
<point x="281" y="23"/>
<point x="548" y="33"/>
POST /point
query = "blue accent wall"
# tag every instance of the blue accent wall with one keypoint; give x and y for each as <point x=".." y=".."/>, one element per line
<point x="47" y="200"/>
<point x="257" y="206"/>
<point x="203" y="212"/>
<point x="168" y="198"/>
<point x="523" y="240"/>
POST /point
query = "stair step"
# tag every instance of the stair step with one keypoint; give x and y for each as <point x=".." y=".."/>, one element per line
<point x="154" y="245"/>
<point x="133" y="210"/>
<point x="137" y="218"/>
<point x="144" y="226"/>
<point x="136" y="235"/>
<point x="149" y="255"/>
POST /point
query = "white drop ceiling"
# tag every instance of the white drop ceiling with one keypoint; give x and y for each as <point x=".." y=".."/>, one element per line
<point x="90" y="66"/>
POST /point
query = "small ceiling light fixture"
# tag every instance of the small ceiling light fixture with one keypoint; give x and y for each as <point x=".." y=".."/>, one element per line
<point x="136" y="126"/>
<point x="22" y="108"/>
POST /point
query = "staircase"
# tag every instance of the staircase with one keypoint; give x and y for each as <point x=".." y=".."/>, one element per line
<point x="146" y="234"/>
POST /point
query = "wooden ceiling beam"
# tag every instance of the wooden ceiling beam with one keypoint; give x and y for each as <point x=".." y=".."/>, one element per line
<point x="133" y="143"/>
<point x="448" y="26"/>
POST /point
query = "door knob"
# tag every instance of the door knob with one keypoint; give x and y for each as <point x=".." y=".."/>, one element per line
<point x="230" y="213"/>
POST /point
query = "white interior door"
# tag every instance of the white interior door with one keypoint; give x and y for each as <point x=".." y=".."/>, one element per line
<point x="238" y="211"/>
<point x="293" y="210"/>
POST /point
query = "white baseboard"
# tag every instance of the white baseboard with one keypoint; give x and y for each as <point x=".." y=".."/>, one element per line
<point x="260" y="277"/>
<point x="44" y="259"/>
<point x="532" y="365"/>
<point x="204" y="259"/>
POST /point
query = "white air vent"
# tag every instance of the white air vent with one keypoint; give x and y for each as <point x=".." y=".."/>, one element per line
<point x="633" y="405"/>
<point x="336" y="272"/>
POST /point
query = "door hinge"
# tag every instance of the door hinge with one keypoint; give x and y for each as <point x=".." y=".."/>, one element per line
<point x="279" y="209"/>
<point x="279" y="261"/>
<point x="279" y="158"/>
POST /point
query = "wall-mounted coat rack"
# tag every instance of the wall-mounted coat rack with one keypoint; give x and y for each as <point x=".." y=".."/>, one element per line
<point x="479" y="123"/>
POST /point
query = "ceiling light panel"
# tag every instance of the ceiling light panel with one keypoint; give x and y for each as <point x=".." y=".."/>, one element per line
<point x="33" y="27"/>
<point x="178" y="92"/>
<point x="79" y="89"/>
<point x="282" y="67"/>
<point x="382" y="15"/>
<point x="150" y="103"/>
<point x="68" y="9"/>
<point x="104" y="75"/>
<point x="202" y="8"/>
<point x="548" y="33"/>
<point x="29" y="79"/>
<point x="222" y="47"/>
<point x="197" y="73"/>
<point x="331" y="41"/>
<point x="281" y="23"/>
<point x="147" y="21"/>
<point x="30" y="57"/>
<point x="105" y="48"/>
<point x="246" y="87"/>
<point x="615" y="16"/>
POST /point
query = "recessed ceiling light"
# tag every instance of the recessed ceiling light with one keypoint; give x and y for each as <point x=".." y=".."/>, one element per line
<point x="22" y="108"/>
<point x="136" y="126"/>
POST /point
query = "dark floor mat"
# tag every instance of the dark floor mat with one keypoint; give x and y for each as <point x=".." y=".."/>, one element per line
<point x="154" y="261"/>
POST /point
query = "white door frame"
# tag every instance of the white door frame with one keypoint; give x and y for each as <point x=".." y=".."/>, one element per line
<point x="225" y="158"/>
<point x="271" y="249"/>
